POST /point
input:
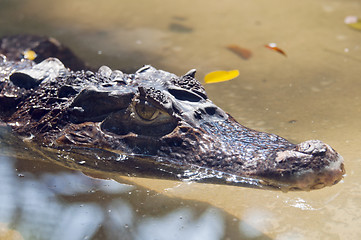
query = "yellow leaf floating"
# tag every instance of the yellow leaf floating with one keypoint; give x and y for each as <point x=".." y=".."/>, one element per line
<point x="356" y="25"/>
<point x="30" y="54"/>
<point x="353" y="22"/>
<point x="221" y="76"/>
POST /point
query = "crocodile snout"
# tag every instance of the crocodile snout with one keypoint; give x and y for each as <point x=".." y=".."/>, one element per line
<point x="310" y="165"/>
<point x="327" y="167"/>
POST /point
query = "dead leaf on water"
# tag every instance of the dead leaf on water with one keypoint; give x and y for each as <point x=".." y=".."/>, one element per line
<point x="179" y="28"/>
<point x="273" y="46"/>
<point x="220" y="76"/>
<point x="241" y="52"/>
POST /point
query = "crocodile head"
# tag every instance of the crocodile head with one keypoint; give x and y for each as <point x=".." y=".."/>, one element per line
<point x="156" y="113"/>
<point x="163" y="117"/>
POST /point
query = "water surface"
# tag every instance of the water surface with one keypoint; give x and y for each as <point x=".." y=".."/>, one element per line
<point x="313" y="93"/>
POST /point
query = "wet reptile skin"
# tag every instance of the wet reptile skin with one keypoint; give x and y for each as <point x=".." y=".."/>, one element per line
<point x="151" y="113"/>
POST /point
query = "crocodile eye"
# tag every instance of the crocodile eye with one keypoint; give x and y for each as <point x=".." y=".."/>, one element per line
<point x="146" y="112"/>
<point x="142" y="118"/>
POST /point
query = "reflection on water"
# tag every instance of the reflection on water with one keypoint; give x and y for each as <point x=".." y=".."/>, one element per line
<point x="40" y="200"/>
<point x="70" y="205"/>
<point x="313" y="93"/>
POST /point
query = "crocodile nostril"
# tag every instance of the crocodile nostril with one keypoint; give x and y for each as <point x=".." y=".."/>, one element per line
<point x="314" y="147"/>
<point x="343" y="169"/>
<point x="320" y="153"/>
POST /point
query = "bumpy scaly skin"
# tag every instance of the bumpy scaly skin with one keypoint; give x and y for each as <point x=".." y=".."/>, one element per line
<point x="105" y="110"/>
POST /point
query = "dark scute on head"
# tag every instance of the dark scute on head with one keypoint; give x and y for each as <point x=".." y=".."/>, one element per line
<point x="66" y="91"/>
<point x="31" y="77"/>
<point x="153" y="94"/>
<point x="184" y="95"/>
<point x="8" y="104"/>
<point x="93" y="105"/>
<point x="38" y="113"/>
<point x="210" y="110"/>
<point x="189" y="82"/>
<point x="23" y="80"/>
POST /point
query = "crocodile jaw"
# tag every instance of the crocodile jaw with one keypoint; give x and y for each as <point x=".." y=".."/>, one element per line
<point x="323" y="166"/>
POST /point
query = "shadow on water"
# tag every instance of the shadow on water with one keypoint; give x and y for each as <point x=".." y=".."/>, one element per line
<point x="126" y="49"/>
<point x="41" y="200"/>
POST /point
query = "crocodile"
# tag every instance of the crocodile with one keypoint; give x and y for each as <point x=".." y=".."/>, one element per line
<point x="149" y="123"/>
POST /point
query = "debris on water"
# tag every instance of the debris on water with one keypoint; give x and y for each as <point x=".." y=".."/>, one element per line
<point x="179" y="28"/>
<point x="239" y="51"/>
<point x="29" y="54"/>
<point x="220" y="76"/>
<point x="292" y="121"/>
<point x="353" y="21"/>
<point x="273" y="46"/>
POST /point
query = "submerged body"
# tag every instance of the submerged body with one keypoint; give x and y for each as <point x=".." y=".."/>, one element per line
<point x="156" y="116"/>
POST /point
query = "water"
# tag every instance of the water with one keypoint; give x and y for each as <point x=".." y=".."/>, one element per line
<point x="313" y="93"/>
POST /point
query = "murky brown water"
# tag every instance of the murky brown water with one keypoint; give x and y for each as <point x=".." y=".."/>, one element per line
<point x="313" y="93"/>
